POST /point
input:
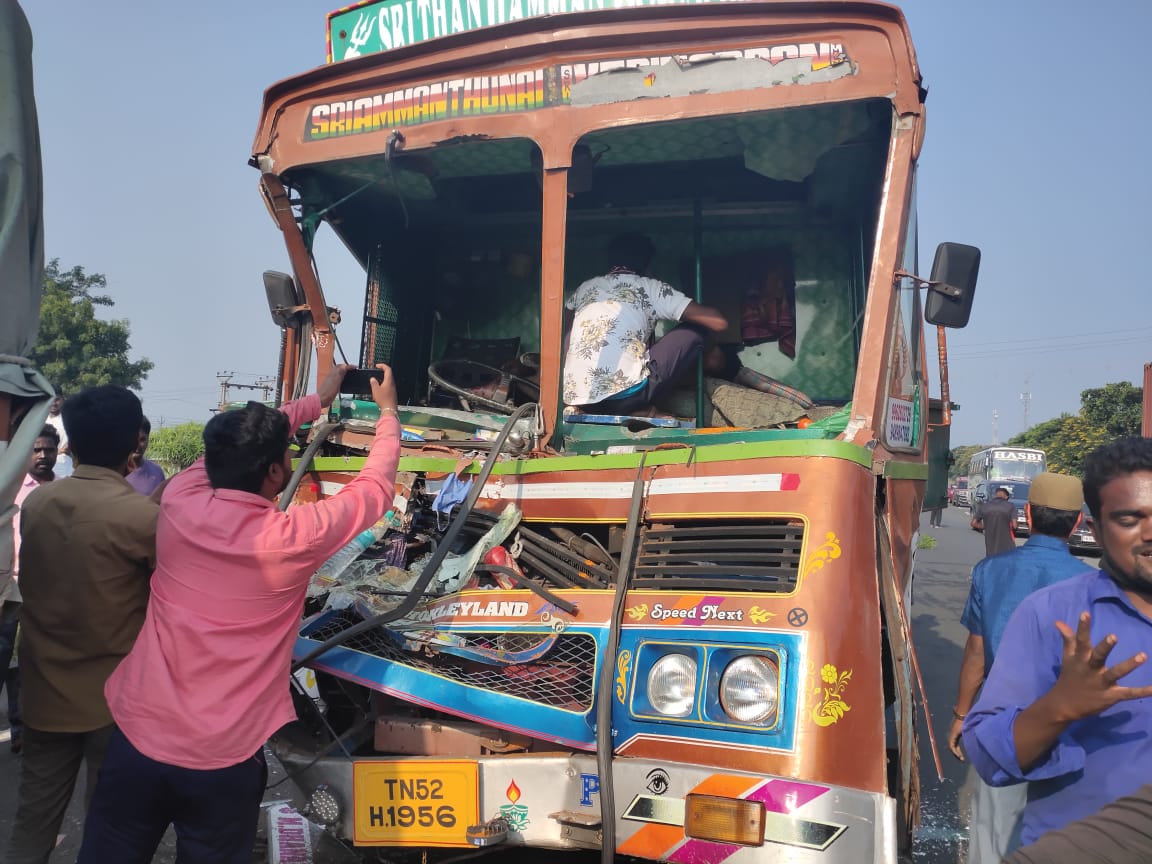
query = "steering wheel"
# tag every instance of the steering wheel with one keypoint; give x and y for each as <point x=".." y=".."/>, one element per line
<point x="477" y="384"/>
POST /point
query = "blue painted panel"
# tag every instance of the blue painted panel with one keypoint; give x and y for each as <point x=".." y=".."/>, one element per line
<point x="474" y="703"/>
<point x="708" y="721"/>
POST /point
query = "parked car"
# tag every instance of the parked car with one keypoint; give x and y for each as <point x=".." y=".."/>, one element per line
<point x="976" y="496"/>
<point x="1083" y="539"/>
<point x="1020" y="528"/>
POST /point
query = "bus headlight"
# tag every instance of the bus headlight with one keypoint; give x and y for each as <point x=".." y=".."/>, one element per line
<point x="750" y="689"/>
<point x="672" y="685"/>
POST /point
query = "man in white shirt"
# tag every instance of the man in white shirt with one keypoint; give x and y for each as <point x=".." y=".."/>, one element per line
<point x="64" y="456"/>
<point x="611" y="365"/>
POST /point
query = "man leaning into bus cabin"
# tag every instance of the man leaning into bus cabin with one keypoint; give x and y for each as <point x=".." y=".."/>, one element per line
<point x="1053" y="712"/>
<point x="611" y="364"/>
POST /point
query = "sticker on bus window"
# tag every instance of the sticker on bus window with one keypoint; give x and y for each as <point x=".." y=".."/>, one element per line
<point x="898" y="424"/>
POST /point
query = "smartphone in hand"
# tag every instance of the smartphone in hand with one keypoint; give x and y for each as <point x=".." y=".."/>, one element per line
<point x="358" y="381"/>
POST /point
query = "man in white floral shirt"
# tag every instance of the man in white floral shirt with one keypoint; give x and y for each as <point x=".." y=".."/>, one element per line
<point x="611" y="365"/>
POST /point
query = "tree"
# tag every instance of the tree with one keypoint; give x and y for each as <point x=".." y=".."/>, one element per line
<point x="174" y="448"/>
<point x="1106" y="413"/>
<point x="1116" y="408"/>
<point x="1042" y="435"/>
<point x="961" y="456"/>
<point x="75" y="349"/>
<point x="1078" y="437"/>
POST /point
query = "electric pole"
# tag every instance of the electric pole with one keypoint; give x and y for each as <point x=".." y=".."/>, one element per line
<point x="224" y="378"/>
<point x="266" y="384"/>
<point x="995" y="427"/>
<point x="1026" y="400"/>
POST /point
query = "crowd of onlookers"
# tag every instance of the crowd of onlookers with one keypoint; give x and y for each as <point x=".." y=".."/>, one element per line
<point x="51" y="459"/>
<point x="61" y="631"/>
<point x="147" y="638"/>
<point x="1054" y="704"/>
<point x="148" y="627"/>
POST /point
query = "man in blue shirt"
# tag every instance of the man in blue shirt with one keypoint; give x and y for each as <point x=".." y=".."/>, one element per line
<point x="145" y="475"/>
<point x="999" y="584"/>
<point x="1053" y="713"/>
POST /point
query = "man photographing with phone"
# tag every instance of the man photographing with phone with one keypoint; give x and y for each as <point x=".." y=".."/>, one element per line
<point x="206" y="683"/>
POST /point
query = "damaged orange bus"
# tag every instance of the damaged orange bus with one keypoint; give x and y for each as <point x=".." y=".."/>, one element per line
<point x="680" y="638"/>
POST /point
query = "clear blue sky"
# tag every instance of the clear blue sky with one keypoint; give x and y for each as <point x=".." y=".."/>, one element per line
<point x="1036" y="151"/>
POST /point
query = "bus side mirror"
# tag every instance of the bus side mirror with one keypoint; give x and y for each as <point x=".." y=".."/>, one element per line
<point x="283" y="299"/>
<point x="954" y="272"/>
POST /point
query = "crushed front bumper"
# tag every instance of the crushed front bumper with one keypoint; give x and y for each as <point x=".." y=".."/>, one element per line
<point x="553" y="801"/>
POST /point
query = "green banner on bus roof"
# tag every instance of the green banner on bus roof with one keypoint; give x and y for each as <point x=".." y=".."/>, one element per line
<point x="372" y="27"/>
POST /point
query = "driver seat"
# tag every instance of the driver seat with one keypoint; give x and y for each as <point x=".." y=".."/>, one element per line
<point x="475" y="366"/>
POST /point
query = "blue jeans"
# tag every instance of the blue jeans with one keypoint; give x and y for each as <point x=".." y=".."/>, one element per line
<point x="215" y="811"/>
<point x="10" y="678"/>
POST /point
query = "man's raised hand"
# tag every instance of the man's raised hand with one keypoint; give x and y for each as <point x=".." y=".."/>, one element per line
<point x="384" y="390"/>
<point x="1087" y="686"/>
<point x="329" y="388"/>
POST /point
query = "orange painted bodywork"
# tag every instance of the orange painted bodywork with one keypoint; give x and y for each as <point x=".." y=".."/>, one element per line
<point x="836" y="499"/>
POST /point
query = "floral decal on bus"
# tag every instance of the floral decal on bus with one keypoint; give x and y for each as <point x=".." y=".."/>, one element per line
<point x="827" y="551"/>
<point x="623" y="664"/>
<point x="830" y="693"/>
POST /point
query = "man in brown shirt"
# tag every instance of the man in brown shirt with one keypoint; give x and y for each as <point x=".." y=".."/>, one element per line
<point x="88" y="548"/>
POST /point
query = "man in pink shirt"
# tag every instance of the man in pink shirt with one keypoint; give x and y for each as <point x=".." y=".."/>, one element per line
<point x="43" y="460"/>
<point x="206" y="683"/>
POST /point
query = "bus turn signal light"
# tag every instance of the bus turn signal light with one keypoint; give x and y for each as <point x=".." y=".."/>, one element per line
<point x="724" y="820"/>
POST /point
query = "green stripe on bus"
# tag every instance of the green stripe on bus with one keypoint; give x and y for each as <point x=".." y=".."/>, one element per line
<point x="906" y="470"/>
<point x="679" y="456"/>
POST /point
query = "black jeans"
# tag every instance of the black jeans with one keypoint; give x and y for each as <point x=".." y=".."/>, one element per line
<point x="214" y="811"/>
<point x="10" y="678"/>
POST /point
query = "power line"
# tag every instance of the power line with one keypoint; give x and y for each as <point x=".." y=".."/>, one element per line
<point x="1012" y="351"/>
<point x="1081" y="335"/>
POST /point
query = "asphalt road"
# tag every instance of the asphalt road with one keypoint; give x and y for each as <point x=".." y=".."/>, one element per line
<point x="940" y="588"/>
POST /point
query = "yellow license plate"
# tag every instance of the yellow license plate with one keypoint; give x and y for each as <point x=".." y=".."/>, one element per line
<point x="414" y="803"/>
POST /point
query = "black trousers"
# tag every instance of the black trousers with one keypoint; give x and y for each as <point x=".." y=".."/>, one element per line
<point x="52" y="763"/>
<point x="10" y="678"/>
<point x="215" y="812"/>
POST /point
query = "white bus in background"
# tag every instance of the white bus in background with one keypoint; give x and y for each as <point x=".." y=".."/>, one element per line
<point x="1001" y="465"/>
<point x="1005" y="463"/>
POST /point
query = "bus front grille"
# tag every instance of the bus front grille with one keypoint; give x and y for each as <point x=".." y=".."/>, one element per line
<point x="720" y="556"/>
<point x="559" y="677"/>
